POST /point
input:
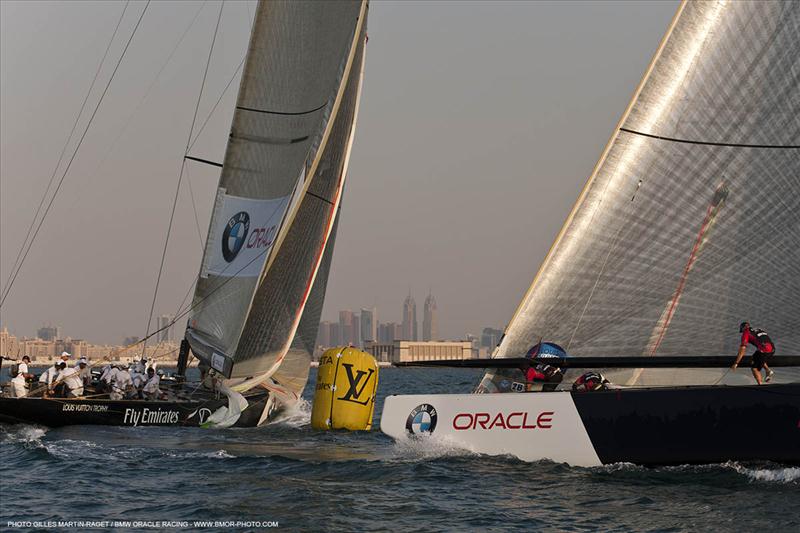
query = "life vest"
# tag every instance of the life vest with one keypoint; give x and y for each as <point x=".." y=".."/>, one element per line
<point x="763" y="342"/>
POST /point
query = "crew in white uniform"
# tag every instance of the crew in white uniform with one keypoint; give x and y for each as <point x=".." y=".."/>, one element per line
<point x="151" y="390"/>
<point x="71" y="379"/>
<point x="121" y="384"/>
<point x="84" y="371"/>
<point x="22" y="368"/>
<point x="18" y="389"/>
<point x="47" y="377"/>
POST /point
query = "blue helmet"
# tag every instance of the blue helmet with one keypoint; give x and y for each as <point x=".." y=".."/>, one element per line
<point x="546" y="349"/>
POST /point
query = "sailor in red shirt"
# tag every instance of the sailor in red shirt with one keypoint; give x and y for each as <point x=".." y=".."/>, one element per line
<point x="765" y="348"/>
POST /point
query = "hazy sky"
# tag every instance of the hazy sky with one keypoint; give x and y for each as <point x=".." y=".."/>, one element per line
<point x="479" y="124"/>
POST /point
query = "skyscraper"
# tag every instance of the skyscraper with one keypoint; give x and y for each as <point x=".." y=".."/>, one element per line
<point x="409" y="319"/>
<point x="346" y="327"/>
<point x="369" y="325"/>
<point x="430" y="326"/>
<point x="49" y="333"/>
<point x="165" y="328"/>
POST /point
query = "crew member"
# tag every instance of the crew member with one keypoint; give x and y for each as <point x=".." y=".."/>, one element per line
<point x="18" y="389"/>
<point x="72" y="383"/>
<point x="765" y="349"/>
<point x="65" y="356"/>
<point x="121" y="384"/>
<point x="84" y="372"/>
<point x="550" y="376"/>
<point x="22" y="368"/>
<point x="47" y="377"/>
<point x="150" y="389"/>
<point x="591" y="381"/>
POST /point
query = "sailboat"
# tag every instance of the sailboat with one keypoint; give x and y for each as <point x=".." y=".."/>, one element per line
<point x="688" y="225"/>
<point x="261" y="284"/>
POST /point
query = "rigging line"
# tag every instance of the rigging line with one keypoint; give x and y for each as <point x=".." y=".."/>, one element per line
<point x="214" y="108"/>
<point x="709" y="143"/>
<point x="66" y="143"/>
<point x="194" y="210"/>
<point x="180" y="177"/>
<point x="74" y="154"/>
<point x="149" y="88"/>
<point x="207" y="296"/>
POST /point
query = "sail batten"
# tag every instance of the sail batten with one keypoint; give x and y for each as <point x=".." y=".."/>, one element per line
<point x="689" y="222"/>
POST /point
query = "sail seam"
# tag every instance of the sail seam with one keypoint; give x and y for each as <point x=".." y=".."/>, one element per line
<point x="286" y="113"/>
<point x="710" y="143"/>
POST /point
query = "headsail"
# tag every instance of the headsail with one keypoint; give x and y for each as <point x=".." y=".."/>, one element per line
<point x="690" y="222"/>
<point x="263" y="242"/>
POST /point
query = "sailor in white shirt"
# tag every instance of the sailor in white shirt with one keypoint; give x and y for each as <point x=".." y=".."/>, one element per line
<point x="65" y="357"/>
<point x="18" y="389"/>
<point x="22" y="368"/>
<point x="84" y="371"/>
<point x="151" y="390"/>
<point x="47" y="377"/>
<point x="71" y="379"/>
<point x="121" y="383"/>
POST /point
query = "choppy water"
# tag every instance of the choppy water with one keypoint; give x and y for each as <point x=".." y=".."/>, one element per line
<point x="313" y="481"/>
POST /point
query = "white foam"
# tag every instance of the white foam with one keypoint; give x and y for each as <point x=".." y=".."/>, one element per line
<point x="430" y="447"/>
<point x="769" y="475"/>
<point x="296" y="415"/>
<point x="24" y="434"/>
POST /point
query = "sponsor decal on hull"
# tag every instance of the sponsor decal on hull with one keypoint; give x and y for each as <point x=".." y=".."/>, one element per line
<point x="516" y="420"/>
<point x="146" y="416"/>
<point x="532" y="427"/>
<point x="84" y="408"/>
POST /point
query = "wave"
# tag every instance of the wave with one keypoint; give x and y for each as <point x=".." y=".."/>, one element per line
<point x="27" y="435"/>
<point x="778" y="474"/>
<point x="429" y="447"/>
<point x="297" y="415"/>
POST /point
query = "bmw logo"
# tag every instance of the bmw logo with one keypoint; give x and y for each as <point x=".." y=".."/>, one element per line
<point x="422" y="420"/>
<point x="234" y="235"/>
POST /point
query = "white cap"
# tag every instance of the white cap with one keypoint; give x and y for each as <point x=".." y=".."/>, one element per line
<point x="83" y="360"/>
<point x="67" y="354"/>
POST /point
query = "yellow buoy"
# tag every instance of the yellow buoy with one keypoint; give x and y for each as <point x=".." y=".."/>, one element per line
<point x="344" y="397"/>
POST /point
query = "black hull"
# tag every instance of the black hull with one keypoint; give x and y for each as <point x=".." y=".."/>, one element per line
<point x="693" y="425"/>
<point x="56" y="412"/>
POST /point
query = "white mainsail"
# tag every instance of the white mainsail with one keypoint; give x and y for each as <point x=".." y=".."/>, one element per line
<point x="690" y="221"/>
<point x="280" y="186"/>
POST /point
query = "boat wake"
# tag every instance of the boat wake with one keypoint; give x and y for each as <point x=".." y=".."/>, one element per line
<point x="29" y="436"/>
<point x="789" y="475"/>
<point x="416" y="449"/>
<point x="295" y="416"/>
<point x="763" y="473"/>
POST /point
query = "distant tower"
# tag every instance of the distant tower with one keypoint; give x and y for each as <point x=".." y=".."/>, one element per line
<point x="430" y="329"/>
<point x="165" y="328"/>
<point x="369" y="325"/>
<point x="409" y="319"/>
<point x="346" y="325"/>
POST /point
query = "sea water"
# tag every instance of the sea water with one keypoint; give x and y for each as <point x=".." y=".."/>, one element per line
<point x="287" y="476"/>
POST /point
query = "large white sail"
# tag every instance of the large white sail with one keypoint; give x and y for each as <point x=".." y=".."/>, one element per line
<point x="292" y="96"/>
<point x="690" y="221"/>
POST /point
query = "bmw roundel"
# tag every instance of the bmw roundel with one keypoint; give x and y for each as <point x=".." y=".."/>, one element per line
<point x="422" y="420"/>
<point x="235" y="234"/>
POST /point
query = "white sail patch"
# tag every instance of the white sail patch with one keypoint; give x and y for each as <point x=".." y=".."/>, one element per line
<point x="243" y="235"/>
